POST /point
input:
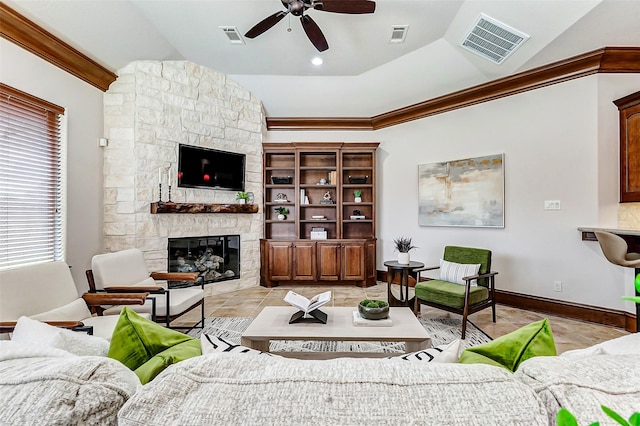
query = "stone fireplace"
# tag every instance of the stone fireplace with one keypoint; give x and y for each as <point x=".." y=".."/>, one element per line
<point x="150" y="110"/>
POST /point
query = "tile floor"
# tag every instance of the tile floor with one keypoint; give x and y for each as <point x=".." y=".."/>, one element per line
<point x="568" y="334"/>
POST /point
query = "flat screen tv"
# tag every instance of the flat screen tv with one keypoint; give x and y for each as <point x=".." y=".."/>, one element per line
<point x="209" y="168"/>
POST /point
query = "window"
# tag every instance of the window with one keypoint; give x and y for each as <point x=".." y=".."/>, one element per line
<point x="30" y="180"/>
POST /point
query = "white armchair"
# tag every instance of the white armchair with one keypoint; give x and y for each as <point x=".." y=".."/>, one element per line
<point x="126" y="271"/>
<point x="47" y="292"/>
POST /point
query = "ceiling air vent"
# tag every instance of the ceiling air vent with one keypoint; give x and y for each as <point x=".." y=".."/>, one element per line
<point x="492" y="39"/>
<point x="398" y="33"/>
<point x="233" y="35"/>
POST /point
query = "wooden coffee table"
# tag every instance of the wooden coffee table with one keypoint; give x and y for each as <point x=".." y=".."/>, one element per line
<point x="273" y="324"/>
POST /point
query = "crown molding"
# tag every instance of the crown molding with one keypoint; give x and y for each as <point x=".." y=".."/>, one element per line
<point x="30" y="36"/>
<point x="605" y="60"/>
<point x="35" y="39"/>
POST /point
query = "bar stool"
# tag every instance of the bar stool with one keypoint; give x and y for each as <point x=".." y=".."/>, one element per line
<point x="615" y="249"/>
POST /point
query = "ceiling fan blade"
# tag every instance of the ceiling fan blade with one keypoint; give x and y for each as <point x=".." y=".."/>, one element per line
<point x="313" y="32"/>
<point x="345" y="6"/>
<point x="265" y="24"/>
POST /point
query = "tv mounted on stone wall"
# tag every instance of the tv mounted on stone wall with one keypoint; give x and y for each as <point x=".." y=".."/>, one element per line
<point x="210" y="169"/>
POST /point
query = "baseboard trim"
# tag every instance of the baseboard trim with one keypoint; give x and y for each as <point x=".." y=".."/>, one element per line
<point x="560" y="308"/>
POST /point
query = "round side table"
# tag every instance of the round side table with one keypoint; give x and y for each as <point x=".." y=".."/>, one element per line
<point x="394" y="268"/>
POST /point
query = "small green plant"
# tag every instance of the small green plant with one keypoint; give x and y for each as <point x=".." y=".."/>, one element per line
<point x="357" y="193"/>
<point x="281" y="210"/>
<point x="242" y="196"/>
<point x="565" y="418"/>
<point x="403" y="244"/>
<point x="368" y="303"/>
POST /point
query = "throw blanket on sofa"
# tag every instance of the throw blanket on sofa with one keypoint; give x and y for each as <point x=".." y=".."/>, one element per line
<point x="236" y="389"/>
<point x="61" y="390"/>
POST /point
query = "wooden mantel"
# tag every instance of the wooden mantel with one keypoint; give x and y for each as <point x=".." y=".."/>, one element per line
<point x="187" y="208"/>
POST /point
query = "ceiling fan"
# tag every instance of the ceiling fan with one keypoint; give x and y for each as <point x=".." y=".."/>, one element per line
<point x="299" y="7"/>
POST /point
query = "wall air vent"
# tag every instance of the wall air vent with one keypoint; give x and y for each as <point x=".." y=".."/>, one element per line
<point x="492" y="39"/>
<point x="398" y="33"/>
<point x="233" y="35"/>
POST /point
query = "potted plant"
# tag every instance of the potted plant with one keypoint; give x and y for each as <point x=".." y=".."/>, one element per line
<point x="242" y="197"/>
<point x="373" y="309"/>
<point x="357" y="196"/>
<point x="403" y="246"/>
<point x="282" y="211"/>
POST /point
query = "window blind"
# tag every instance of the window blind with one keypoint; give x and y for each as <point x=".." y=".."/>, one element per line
<point x="31" y="220"/>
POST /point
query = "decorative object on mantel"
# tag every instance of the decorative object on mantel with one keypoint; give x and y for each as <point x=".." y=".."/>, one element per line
<point x="282" y="211"/>
<point x="326" y="198"/>
<point x="164" y="170"/>
<point x="157" y="208"/>
<point x="357" y="196"/>
<point x="403" y="246"/>
<point x="242" y="197"/>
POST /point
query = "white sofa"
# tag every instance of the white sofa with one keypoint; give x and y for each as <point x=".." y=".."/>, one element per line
<point x="241" y="389"/>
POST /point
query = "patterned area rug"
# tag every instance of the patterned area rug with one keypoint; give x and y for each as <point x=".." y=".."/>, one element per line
<point x="441" y="331"/>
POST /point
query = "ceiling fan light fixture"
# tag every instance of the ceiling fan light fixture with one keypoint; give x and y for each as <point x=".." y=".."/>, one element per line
<point x="317" y="61"/>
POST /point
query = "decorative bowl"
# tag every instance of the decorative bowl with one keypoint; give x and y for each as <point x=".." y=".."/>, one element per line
<point x="373" y="313"/>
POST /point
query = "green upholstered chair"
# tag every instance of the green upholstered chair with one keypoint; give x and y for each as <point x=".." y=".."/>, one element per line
<point x="463" y="297"/>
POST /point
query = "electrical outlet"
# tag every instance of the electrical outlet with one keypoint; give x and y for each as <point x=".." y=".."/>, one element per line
<point x="557" y="286"/>
<point x="552" y="204"/>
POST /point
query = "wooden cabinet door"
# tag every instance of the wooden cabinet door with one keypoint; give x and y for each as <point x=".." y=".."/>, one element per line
<point x="629" y="108"/>
<point x="353" y="262"/>
<point x="304" y="261"/>
<point x="328" y="261"/>
<point x="370" y="262"/>
<point x="280" y="261"/>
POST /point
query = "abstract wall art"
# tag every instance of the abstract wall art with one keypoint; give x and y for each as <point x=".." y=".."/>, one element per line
<point x="467" y="192"/>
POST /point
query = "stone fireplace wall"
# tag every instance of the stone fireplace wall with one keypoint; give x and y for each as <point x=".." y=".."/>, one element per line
<point x="150" y="109"/>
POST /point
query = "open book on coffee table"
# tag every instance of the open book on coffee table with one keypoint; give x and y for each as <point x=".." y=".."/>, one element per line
<point x="309" y="311"/>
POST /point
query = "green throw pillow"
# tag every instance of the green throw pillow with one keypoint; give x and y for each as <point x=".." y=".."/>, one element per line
<point x="136" y="340"/>
<point x="510" y="350"/>
<point x="150" y="369"/>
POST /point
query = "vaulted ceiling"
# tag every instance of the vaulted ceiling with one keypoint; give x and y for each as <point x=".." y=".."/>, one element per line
<point x="363" y="74"/>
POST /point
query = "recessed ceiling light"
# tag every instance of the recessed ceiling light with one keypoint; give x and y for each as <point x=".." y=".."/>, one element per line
<point x="317" y="61"/>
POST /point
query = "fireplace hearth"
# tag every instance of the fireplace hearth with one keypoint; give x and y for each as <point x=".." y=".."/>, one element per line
<point x="216" y="258"/>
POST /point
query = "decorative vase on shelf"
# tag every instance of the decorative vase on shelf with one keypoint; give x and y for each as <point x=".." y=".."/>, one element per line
<point x="242" y="201"/>
<point x="281" y="217"/>
<point x="357" y="199"/>
<point x="404" y="258"/>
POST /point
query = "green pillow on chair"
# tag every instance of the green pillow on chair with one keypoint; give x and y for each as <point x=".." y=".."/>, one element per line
<point x="137" y="340"/>
<point x="510" y="350"/>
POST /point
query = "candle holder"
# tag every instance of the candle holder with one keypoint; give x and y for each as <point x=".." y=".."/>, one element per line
<point x="169" y="198"/>
<point x="160" y="193"/>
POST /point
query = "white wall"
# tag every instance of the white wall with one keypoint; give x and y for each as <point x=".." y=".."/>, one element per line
<point x="551" y="139"/>
<point x="83" y="106"/>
